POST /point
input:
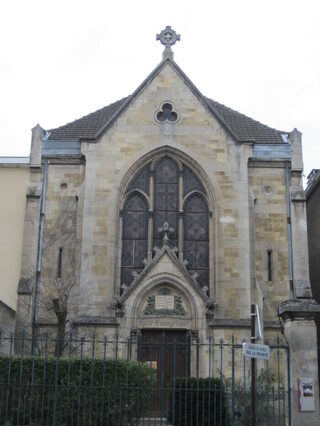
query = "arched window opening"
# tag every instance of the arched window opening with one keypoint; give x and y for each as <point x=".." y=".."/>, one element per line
<point x="165" y="185"/>
<point x="196" y="237"/>
<point x="134" y="237"/>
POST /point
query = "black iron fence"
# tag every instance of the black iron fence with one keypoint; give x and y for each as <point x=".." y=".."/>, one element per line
<point x="151" y="378"/>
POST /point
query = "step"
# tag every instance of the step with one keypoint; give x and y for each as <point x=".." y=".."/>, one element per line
<point x="152" y="421"/>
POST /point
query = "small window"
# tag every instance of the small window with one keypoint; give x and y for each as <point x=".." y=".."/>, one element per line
<point x="167" y="113"/>
<point x="60" y="262"/>
<point x="269" y="253"/>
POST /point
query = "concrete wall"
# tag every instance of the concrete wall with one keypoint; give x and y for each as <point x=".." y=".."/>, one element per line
<point x="13" y="188"/>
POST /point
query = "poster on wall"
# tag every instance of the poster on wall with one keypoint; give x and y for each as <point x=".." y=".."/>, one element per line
<point x="306" y="394"/>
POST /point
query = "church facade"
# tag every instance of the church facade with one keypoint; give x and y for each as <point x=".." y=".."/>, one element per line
<point x="167" y="210"/>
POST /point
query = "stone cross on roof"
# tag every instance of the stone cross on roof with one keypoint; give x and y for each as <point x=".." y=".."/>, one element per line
<point x="168" y="36"/>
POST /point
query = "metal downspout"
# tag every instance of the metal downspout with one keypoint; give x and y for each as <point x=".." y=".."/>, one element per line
<point x="290" y="252"/>
<point x="39" y="255"/>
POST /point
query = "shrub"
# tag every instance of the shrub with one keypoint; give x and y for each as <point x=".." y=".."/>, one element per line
<point x="200" y="401"/>
<point x="270" y="399"/>
<point x="72" y="391"/>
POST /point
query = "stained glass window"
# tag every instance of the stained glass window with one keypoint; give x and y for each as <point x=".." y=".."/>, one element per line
<point x="134" y="238"/>
<point x="196" y="237"/>
<point x="194" y="218"/>
<point x="166" y="199"/>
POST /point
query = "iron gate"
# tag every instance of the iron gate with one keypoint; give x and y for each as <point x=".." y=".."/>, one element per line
<point x="155" y="378"/>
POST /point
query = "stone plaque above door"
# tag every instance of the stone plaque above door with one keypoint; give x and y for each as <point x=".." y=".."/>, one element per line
<point x="164" y="302"/>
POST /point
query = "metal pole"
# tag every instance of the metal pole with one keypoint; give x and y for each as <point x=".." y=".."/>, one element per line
<point x="253" y="368"/>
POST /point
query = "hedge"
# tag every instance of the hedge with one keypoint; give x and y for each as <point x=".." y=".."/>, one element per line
<point x="72" y="391"/>
<point x="195" y="401"/>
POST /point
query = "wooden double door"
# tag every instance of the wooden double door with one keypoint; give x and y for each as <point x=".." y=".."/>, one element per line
<point x="167" y="351"/>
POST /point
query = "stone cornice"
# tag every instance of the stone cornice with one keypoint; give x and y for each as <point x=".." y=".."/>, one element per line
<point x="299" y="309"/>
<point x="241" y="323"/>
<point x="95" y="320"/>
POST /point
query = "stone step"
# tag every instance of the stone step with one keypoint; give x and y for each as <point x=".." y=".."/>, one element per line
<point x="152" y="421"/>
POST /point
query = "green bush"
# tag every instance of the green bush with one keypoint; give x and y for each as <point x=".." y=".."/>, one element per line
<point x="72" y="391"/>
<point x="270" y="399"/>
<point x="200" y="401"/>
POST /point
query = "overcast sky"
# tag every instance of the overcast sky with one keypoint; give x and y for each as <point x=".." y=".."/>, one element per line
<point x="60" y="60"/>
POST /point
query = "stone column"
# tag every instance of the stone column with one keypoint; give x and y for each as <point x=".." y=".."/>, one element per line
<point x="27" y="279"/>
<point x="300" y="332"/>
<point x="36" y="146"/>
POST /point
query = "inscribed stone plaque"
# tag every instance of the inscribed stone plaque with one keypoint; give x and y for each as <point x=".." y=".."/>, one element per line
<point x="164" y="302"/>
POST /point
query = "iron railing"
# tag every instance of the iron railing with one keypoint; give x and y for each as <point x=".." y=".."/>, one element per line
<point x="160" y="378"/>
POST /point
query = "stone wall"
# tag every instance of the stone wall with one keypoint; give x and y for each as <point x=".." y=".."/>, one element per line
<point x="7" y="325"/>
<point x="268" y="183"/>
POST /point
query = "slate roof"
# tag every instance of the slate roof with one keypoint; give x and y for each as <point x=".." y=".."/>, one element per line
<point x="245" y="128"/>
<point x="88" y="126"/>
<point x="242" y="127"/>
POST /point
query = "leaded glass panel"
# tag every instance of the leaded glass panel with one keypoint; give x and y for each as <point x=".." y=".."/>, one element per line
<point x="196" y="237"/>
<point x="190" y="182"/>
<point x="166" y="199"/>
<point x="141" y="181"/>
<point x="135" y="237"/>
<point x="166" y="171"/>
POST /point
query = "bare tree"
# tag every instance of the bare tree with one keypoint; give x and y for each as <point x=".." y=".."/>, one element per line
<point x="57" y="277"/>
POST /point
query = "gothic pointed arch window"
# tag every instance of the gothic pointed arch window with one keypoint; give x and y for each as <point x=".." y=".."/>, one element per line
<point x="175" y="196"/>
<point x="134" y="237"/>
<point x="196" y="237"/>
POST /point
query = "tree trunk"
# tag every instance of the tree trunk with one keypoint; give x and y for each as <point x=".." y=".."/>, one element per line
<point x="62" y="320"/>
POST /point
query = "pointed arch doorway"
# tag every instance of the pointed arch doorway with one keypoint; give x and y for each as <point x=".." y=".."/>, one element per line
<point x="168" y="352"/>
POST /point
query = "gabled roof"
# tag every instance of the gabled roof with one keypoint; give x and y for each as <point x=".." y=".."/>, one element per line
<point x="87" y="127"/>
<point x="241" y="127"/>
<point x="245" y="128"/>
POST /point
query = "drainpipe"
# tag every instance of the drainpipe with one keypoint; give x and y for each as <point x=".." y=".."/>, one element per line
<point x="39" y="255"/>
<point x="290" y="252"/>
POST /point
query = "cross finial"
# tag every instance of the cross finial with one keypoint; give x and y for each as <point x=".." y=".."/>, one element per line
<point x="168" y="37"/>
<point x="166" y="231"/>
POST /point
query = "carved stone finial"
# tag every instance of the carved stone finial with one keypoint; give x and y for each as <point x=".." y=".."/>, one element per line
<point x="118" y="307"/>
<point x="124" y="288"/>
<point x="156" y="250"/>
<point x="210" y="307"/>
<point x="174" y="250"/>
<point x="168" y="37"/>
<point x="195" y="275"/>
<point x="185" y="262"/>
<point x="205" y="290"/>
<point x="135" y="275"/>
